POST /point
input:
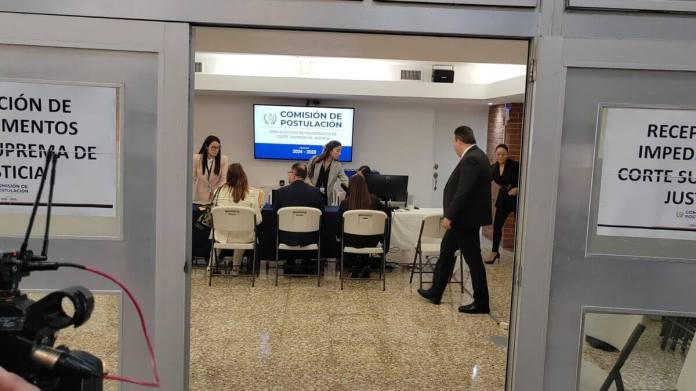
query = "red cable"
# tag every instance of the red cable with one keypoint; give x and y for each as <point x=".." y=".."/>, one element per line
<point x="153" y="360"/>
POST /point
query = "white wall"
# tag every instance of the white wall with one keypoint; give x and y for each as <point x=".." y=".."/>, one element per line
<point x="394" y="138"/>
<point x="446" y="120"/>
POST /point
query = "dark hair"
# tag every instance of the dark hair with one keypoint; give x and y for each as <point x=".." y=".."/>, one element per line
<point x="204" y="154"/>
<point x="465" y="135"/>
<point x="358" y="195"/>
<point x="365" y="170"/>
<point x="300" y="170"/>
<point x="237" y="181"/>
<point x="505" y="147"/>
<point x="330" y="146"/>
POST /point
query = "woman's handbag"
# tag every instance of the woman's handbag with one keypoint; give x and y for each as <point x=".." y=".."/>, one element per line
<point x="205" y="220"/>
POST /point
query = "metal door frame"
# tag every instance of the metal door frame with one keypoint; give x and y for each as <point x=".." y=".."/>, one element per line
<point x="169" y="41"/>
<point x="524" y="374"/>
<point x="602" y="54"/>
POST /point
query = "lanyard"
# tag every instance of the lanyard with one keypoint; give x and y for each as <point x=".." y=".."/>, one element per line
<point x="209" y="166"/>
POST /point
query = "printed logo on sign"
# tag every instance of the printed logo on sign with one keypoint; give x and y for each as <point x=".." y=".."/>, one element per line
<point x="686" y="214"/>
<point x="270" y="118"/>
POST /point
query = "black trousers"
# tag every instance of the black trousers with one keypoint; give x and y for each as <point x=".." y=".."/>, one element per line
<point x="501" y="215"/>
<point x="469" y="243"/>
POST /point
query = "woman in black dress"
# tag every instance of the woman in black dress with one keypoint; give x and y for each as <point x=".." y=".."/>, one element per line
<point x="505" y="172"/>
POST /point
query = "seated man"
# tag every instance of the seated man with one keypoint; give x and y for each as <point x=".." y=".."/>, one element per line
<point x="297" y="193"/>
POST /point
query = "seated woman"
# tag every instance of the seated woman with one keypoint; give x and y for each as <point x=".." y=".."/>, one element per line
<point x="358" y="198"/>
<point x="236" y="192"/>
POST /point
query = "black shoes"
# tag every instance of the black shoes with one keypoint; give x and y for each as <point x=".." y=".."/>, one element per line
<point x="492" y="260"/>
<point x="474" y="309"/>
<point x="428" y="296"/>
<point x="360" y="273"/>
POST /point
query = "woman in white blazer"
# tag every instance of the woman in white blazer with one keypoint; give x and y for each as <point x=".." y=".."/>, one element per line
<point x="326" y="172"/>
<point x="236" y="192"/>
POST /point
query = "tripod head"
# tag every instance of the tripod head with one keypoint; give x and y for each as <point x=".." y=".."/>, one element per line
<point x="28" y="329"/>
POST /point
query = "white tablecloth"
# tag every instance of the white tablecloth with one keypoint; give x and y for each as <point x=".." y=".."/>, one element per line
<point x="404" y="232"/>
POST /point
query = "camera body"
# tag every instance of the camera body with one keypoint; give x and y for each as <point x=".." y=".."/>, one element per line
<point x="28" y="330"/>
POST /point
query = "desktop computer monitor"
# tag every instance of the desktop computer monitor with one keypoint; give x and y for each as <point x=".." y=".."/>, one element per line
<point x="389" y="188"/>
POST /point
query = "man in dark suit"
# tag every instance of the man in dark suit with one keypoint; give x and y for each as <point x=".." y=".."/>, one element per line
<point x="467" y="207"/>
<point x="297" y="193"/>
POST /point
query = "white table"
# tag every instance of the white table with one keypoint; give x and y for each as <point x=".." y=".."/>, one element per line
<point x="404" y="232"/>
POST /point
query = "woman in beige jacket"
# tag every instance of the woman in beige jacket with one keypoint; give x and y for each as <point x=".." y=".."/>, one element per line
<point x="326" y="172"/>
<point x="209" y="170"/>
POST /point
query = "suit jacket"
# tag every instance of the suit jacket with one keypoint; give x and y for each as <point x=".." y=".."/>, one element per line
<point x="336" y="176"/>
<point x="467" y="195"/>
<point x="298" y="193"/>
<point x="508" y="180"/>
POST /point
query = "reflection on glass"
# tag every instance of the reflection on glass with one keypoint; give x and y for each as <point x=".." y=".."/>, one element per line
<point x="637" y="352"/>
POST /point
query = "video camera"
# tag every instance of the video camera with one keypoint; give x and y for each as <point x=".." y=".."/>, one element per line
<point x="28" y="328"/>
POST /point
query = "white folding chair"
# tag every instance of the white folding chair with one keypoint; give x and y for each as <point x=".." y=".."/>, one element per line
<point x="687" y="377"/>
<point x="428" y="245"/>
<point x="593" y="378"/>
<point x="229" y="222"/>
<point x="611" y="329"/>
<point x="299" y="219"/>
<point x="365" y="223"/>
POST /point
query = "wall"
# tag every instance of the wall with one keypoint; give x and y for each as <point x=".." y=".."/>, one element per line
<point x="446" y="120"/>
<point x="507" y="132"/>
<point x="394" y="138"/>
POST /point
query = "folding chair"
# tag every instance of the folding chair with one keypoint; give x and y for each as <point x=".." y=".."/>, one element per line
<point x="365" y="223"/>
<point x="227" y="221"/>
<point x="299" y="220"/>
<point x="593" y="378"/>
<point x="429" y="239"/>
<point x="687" y="376"/>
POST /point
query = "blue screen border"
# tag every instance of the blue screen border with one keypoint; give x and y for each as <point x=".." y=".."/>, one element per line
<point x="253" y="121"/>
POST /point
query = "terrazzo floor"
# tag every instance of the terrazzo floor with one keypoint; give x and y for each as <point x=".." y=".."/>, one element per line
<point x="298" y="336"/>
<point x="648" y="368"/>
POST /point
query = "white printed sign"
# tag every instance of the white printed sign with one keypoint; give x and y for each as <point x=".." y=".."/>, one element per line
<point x="79" y="123"/>
<point x="648" y="173"/>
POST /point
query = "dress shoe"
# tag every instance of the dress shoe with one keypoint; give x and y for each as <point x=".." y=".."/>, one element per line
<point x="428" y="296"/>
<point x="493" y="259"/>
<point x="474" y="309"/>
<point x="365" y="272"/>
